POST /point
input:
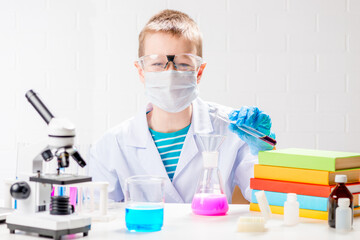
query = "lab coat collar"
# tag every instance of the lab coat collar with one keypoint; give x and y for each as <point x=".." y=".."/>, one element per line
<point x="200" y="117"/>
<point x="150" y="160"/>
<point x="138" y="134"/>
<point x="200" y="122"/>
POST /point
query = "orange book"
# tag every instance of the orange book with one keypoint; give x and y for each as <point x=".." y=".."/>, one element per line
<point x="298" y="188"/>
<point x="304" y="175"/>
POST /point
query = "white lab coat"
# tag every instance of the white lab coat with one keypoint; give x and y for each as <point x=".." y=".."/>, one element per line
<point x="128" y="149"/>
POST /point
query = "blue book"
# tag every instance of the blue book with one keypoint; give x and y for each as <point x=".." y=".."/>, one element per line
<point x="305" y="202"/>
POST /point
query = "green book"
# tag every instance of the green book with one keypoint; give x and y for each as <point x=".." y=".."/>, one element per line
<point x="310" y="159"/>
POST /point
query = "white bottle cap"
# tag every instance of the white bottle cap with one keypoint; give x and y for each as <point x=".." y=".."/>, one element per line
<point x="344" y="202"/>
<point x="292" y="197"/>
<point x="210" y="159"/>
<point x="340" y="178"/>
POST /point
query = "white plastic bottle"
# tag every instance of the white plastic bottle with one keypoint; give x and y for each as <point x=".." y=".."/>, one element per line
<point x="343" y="216"/>
<point x="291" y="210"/>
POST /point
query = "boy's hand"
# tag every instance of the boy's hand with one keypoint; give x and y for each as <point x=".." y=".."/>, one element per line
<point x="254" y="118"/>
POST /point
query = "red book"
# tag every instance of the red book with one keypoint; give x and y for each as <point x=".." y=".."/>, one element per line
<point x="298" y="188"/>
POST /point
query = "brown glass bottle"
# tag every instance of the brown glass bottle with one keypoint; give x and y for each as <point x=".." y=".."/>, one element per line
<point x="340" y="191"/>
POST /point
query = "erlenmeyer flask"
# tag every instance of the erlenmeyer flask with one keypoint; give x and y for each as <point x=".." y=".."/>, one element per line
<point x="209" y="198"/>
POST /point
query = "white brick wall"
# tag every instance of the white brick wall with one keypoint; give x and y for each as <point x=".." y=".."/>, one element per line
<point x="296" y="59"/>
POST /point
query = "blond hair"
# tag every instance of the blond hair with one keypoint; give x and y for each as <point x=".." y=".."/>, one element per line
<point x="175" y="23"/>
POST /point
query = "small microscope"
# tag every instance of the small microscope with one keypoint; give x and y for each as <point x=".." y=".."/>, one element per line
<point x="37" y="211"/>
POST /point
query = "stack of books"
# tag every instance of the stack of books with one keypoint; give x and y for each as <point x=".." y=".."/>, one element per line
<point x="308" y="173"/>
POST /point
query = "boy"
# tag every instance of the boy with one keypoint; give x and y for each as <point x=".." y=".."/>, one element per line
<point x="161" y="140"/>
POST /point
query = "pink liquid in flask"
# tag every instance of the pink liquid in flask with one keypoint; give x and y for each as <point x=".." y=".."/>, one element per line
<point x="209" y="204"/>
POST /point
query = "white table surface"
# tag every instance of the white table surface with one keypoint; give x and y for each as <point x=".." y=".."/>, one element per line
<point x="181" y="223"/>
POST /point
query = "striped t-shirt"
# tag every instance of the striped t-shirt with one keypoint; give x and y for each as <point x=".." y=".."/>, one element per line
<point x="169" y="146"/>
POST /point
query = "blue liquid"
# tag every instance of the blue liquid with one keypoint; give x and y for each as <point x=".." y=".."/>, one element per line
<point x="144" y="218"/>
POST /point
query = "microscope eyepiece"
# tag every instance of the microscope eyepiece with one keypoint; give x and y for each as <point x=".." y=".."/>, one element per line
<point x="39" y="106"/>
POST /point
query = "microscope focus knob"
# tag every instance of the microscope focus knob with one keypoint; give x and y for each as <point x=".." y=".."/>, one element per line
<point x="20" y="190"/>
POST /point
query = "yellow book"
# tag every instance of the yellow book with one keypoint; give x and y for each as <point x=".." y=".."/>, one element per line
<point x="304" y="175"/>
<point x="306" y="213"/>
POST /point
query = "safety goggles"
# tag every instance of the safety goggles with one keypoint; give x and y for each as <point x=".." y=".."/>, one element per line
<point x="181" y="62"/>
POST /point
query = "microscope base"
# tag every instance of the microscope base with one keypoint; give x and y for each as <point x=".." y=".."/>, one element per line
<point x="47" y="225"/>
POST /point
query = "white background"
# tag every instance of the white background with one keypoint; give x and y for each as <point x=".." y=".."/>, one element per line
<point x="299" y="60"/>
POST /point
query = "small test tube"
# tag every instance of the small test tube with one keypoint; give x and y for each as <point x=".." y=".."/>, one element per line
<point x="255" y="133"/>
<point x="249" y="130"/>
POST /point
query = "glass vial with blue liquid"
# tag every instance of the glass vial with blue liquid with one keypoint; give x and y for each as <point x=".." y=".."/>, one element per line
<point x="144" y="203"/>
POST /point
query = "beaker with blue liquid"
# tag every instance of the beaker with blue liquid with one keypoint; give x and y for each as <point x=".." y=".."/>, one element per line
<point x="144" y="203"/>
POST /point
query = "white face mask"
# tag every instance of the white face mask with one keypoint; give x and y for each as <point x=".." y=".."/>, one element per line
<point x="172" y="91"/>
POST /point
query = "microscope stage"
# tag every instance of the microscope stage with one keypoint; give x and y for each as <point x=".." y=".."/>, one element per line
<point x="61" y="179"/>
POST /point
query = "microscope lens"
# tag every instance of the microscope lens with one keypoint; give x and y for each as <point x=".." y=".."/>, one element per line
<point x="79" y="159"/>
<point x="47" y="155"/>
<point x="63" y="160"/>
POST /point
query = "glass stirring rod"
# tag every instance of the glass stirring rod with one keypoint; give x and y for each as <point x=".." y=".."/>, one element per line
<point x="251" y="131"/>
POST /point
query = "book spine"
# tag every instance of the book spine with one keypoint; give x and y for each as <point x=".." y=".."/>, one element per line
<point x="353" y="188"/>
<point x="306" y="202"/>
<point x="286" y="187"/>
<point x="291" y="174"/>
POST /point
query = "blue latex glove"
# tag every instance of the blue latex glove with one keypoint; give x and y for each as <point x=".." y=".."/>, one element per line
<point x="252" y="117"/>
